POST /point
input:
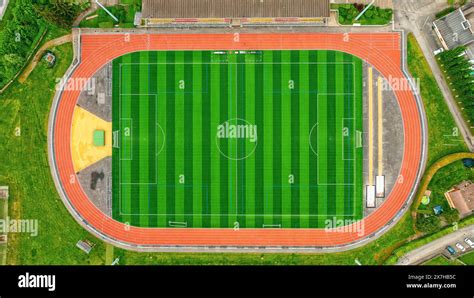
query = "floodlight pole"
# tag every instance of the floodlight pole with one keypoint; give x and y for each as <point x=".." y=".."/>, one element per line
<point x="106" y="10"/>
<point x="365" y="9"/>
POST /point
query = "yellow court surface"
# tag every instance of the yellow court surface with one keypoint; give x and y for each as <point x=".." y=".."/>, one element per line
<point x="84" y="153"/>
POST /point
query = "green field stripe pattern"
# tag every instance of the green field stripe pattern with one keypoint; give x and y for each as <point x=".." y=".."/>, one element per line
<point x="226" y="139"/>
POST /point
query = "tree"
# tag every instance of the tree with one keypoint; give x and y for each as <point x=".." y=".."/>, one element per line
<point x="16" y="39"/>
<point x="451" y="215"/>
<point x="59" y="12"/>
<point x="428" y="224"/>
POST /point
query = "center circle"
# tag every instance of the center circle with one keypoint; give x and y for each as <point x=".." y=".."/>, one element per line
<point x="236" y="138"/>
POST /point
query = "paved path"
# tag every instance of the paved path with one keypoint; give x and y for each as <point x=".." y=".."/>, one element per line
<point x="417" y="16"/>
<point x="434" y="248"/>
<point x="52" y="43"/>
<point x="84" y="14"/>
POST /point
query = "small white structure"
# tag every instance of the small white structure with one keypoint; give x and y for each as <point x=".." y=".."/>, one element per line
<point x="101" y="98"/>
<point x="85" y="246"/>
<point x="380" y="186"/>
<point x="115" y="262"/>
<point x="4" y="192"/>
<point x="370" y="196"/>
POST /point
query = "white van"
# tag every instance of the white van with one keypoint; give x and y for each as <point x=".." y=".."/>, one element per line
<point x="438" y="51"/>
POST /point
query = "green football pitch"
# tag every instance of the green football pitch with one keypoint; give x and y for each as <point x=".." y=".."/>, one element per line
<point x="248" y="139"/>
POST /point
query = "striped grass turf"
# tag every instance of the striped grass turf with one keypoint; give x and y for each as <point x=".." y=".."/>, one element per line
<point x="172" y="170"/>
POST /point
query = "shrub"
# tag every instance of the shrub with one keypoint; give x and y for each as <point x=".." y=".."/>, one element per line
<point x="16" y="40"/>
<point x="445" y="12"/>
<point x="373" y="16"/>
<point x="427" y="224"/>
<point x="451" y="215"/>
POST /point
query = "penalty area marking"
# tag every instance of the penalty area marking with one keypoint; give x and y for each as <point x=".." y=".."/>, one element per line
<point x="164" y="139"/>
<point x="310" y="138"/>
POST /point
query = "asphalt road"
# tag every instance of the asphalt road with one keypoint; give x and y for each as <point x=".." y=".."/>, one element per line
<point x="437" y="247"/>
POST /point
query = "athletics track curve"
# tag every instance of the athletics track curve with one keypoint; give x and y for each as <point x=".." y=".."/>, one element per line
<point x="381" y="50"/>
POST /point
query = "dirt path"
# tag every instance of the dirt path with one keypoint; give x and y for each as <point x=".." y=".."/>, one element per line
<point x="52" y="43"/>
<point x="84" y="14"/>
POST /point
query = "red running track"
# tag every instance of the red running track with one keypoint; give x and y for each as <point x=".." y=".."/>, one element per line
<point x="381" y="50"/>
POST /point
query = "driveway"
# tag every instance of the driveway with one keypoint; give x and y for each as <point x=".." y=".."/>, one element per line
<point x="417" y="16"/>
<point x="437" y="247"/>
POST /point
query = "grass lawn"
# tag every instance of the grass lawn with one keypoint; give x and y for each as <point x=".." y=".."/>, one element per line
<point x="442" y="261"/>
<point x="131" y="2"/>
<point x="24" y="164"/>
<point x="457" y="2"/>
<point x="442" y="137"/>
<point x="468" y="258"/>
<point x="125" y="12"/>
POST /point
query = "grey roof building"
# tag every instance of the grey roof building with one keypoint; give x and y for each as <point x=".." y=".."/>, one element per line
<point x="454" y="29"/>
<point x="202" y="11"/>
<point x="234" y="8"/>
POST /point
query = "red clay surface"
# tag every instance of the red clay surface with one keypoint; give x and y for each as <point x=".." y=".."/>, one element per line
<point x="381" y="50"/>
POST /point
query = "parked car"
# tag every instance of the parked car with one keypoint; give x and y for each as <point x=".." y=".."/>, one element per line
<point x="438" y="51"/>
<point x="460" y="247"/>
<point x="469" y="242"/>
<point x="451" y="250"/>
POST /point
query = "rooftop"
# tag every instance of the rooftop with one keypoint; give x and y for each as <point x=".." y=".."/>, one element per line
<point x="462" y="197"/>
<point x="455" y="29"/>
<point x="234" y="8"/>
